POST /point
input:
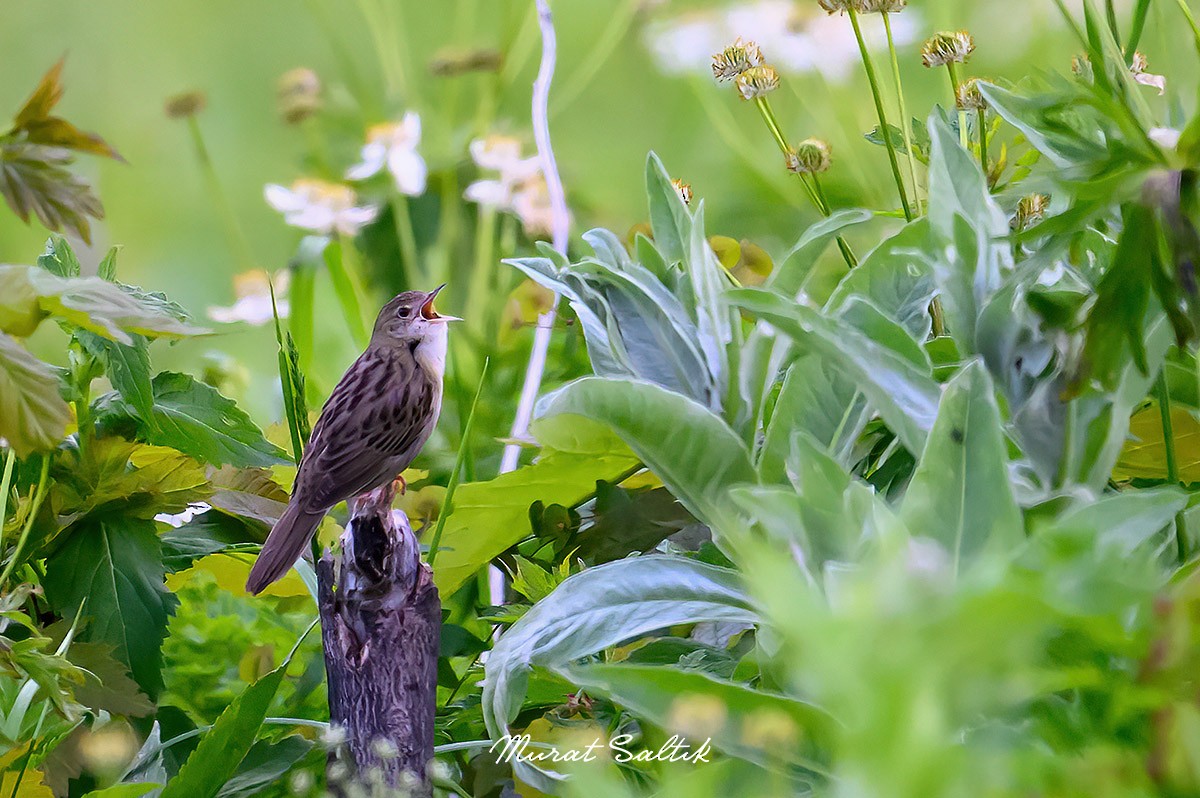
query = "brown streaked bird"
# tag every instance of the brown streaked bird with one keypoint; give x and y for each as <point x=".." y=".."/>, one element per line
<point x="374" y="424"/>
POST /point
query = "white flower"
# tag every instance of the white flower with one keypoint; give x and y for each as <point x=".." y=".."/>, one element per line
<point x="320" y="206"/>
<point x="394" y="145"/>
<point x="794" y="38"/>
<point x="253" y="305"/>
<point x="1167" y="137"/>
<point x="1139" y="67"/>
<point x="531" y="204"/>
<point x="518" y="188"/>
<point x="179" y="519"/>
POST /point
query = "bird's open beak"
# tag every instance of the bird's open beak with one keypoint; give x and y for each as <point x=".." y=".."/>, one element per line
<point x="427" y="311"/>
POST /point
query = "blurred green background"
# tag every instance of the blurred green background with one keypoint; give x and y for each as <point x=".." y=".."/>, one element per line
<point x="632" y="77"/>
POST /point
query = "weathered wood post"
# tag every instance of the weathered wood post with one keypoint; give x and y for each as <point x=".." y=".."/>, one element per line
<point x="381" y="627"/>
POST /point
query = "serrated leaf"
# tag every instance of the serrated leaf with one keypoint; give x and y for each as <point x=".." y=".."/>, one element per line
<point x="127" y="367"/>
<point x="33" y="179"/>
<point x="59" y="258"/>
<point x="226" y="744"/>
<point x="195" y="418"/>
<point x="133" y="479"/>
<point x="33" y="416"/>
<point x="107" y="685"/>
<point x="114" y="563"/>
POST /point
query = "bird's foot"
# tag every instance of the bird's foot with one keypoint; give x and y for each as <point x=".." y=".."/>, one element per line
<point x="399" y="485"/>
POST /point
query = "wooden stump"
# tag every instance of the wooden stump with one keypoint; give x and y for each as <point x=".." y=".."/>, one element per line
<point x="381" y="627"/>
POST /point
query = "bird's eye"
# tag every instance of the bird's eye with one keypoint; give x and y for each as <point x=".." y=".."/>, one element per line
<point x="404" y="313"/>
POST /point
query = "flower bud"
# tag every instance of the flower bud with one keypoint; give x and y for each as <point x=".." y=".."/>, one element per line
<point x="948" y="47"/>
<point x="836" y="6"/>
<point x="299" y="95"/>
<point x="735" y="59"/>
<point x="879" y="6"/>
<point x="810" y="156"/>
<point x="758" y="81"/>
<point x="181" y="106"/>
<point x="1030" y="210"/>
<point x="969" y="97"/>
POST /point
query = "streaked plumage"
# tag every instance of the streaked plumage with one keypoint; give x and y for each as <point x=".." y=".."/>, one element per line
<point x="373" y="425"/>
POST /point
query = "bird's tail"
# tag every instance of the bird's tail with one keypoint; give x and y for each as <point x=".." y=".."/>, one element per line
<point x="287" y="540"/>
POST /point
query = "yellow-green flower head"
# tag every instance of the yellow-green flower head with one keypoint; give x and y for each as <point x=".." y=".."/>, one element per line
<point x="879" y="6"/>
<point x="810" y="156"/>
<point x="735" y="59"/>
<point x="1030" y="210"/>
<point x="969" y="97"/>
<point x="758" y="81"/>
<point x="948" y="47"/>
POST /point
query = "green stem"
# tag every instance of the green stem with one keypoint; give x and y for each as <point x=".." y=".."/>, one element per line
<point x="1164" y="414"/>
<point x="619" y="22"/>
<point x="1110" y="10"/>
<point x="905" y="126"/>
<point x="452" y="484"/>
<point x="1136" y="28"/>
<point x="818" y="199"/>
<point x="410" y="267"/>
<point x="479" y="320"/>
<point x="883" y="123"/>
<point x="38" y="496"/>
<point x="952" y="70"/>
<point x="847" y="253"/>
<point x="233" y="231"/>
<point x="5" y="486"/>
<point x="983" y="142"/>
<point x="1187" y="13"/>
<point x="345" y="285"/>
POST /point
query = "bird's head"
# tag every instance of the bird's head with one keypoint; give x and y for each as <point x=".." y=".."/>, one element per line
<point x="409" y="317"/>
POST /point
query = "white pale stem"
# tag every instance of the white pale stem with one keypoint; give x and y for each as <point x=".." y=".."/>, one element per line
<point x="560" y="224"/>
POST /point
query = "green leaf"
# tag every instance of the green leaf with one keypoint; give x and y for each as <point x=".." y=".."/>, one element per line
<point x="194" y="418"/>
<point x="895" y="280"/>
<point x="226" y="744"/>
<point x="128" y="369"/>
<point x="602" y="607"/>
<point x="960" y="494"/>
<point x="696" y="455"/>
<point x="59" y="258"/>
<point x="1117" y="321"/>
<point x="115" y="565"/>
<point x="669" y="217"/>
<point x="765" y="728"/>
<point x="123" y="791"/>
<point x="797" y="267"/>
<point x="34" y="179"/>
<point x="1125" y="520"/>
<point x="107" y="268"/>
<point x="90" y="303"/>
<point x="819" y="399"/>
<point x="969" y="235"/>
<point x="33" y="416"/>
<point x="264" y="765"/>
<point x="491" y="516"/>
<point x="905" y="395"/>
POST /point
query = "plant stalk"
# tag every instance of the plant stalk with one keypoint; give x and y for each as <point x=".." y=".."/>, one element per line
<point x="1136" y="28"/>
<point x="38" y="496"/>
<point x="346" y="285"/>
<point x="814" y="193"/>
<point x="463" y="446"/>
<point x="5" y="485"/>
<point x="905" y="126"/>
<point x="1164" y="414"/>
<point x="983" y="144"/>
<point x="883" y="123"/>
<point x="963" y="139"/>
<point x="410" y="268"/>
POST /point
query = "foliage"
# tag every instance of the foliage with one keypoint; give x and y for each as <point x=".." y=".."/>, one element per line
<point x="908" y="510"/>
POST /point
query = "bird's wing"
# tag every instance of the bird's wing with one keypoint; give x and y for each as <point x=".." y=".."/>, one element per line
<point x="373" y="425"/>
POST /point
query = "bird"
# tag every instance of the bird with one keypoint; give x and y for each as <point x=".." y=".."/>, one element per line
<point x="374" y="424"/>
